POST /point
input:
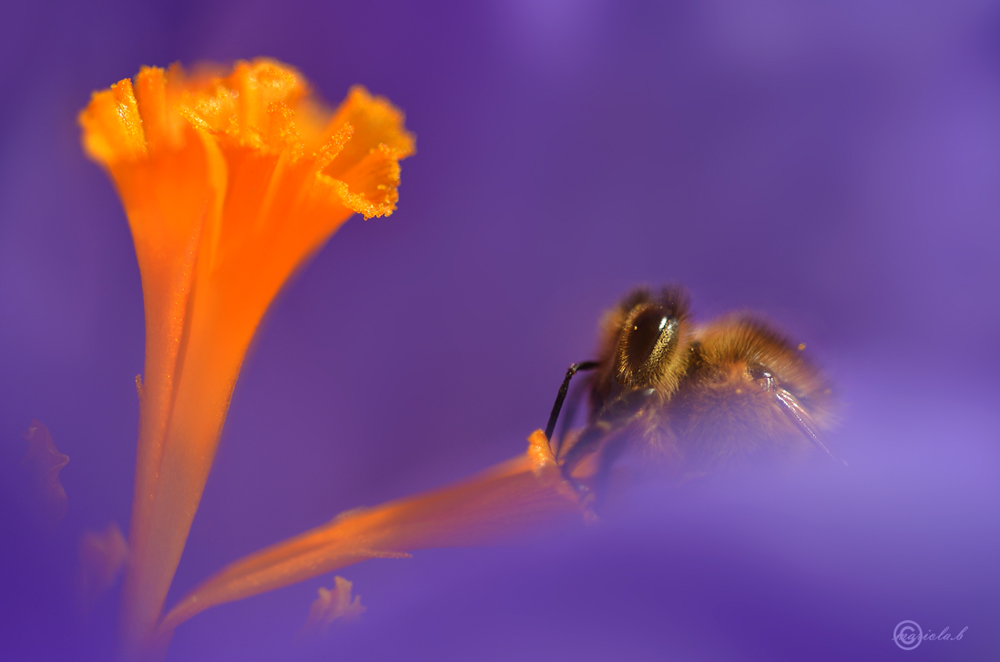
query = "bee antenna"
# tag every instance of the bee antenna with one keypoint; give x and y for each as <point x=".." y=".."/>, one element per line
<point x="561" y="396"/>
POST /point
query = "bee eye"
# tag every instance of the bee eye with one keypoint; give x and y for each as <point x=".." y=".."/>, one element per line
<point x="645" y="333"/>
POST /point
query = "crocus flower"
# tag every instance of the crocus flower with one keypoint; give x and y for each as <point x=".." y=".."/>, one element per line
<point x="229" y="181"/>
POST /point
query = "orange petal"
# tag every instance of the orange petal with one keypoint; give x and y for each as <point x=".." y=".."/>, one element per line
<point x="507" y="500"/>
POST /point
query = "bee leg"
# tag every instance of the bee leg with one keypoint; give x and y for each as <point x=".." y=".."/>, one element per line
<point x="612" y="424"/>
<point x="611" y="451"/>
<point x="608" y="445"/>
<point x="587" y="443"/>
<point x="561" y="396"/>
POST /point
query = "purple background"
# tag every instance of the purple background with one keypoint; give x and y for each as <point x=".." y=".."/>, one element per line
<point x="833" y="167"/>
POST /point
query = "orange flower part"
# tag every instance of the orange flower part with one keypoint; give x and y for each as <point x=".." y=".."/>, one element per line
<point x="511" y="498"/>
<point x="102" y="557"/>
<point x="229" y="181"/>
<point x="332" y="605"/>
<point x="44" y="462"/>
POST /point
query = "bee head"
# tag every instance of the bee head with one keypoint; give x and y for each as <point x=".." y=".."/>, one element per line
<point x="649" y="338"/>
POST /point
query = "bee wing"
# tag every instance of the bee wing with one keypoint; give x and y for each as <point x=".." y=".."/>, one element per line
<point x="805" y="422"/>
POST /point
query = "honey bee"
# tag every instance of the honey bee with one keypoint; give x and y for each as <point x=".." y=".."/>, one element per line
<point x="696" y="398"/>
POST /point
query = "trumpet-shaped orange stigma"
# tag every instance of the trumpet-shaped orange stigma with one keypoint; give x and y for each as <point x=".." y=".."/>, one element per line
<point x="229" y="181"/>
<point x="510" y="498"/>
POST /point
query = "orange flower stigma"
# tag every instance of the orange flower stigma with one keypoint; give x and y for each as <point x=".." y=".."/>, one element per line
<point x="229" y="181"/>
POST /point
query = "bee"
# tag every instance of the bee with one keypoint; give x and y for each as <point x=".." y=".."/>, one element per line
<point x="696" y="398"/>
